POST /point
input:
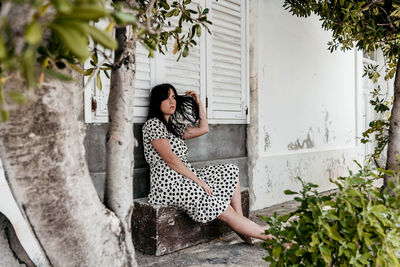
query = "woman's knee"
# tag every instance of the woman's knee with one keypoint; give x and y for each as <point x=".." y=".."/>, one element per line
<point x="226" y="214"/>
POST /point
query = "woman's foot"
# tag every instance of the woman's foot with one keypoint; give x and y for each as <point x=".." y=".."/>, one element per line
<point x="246" y="238"/>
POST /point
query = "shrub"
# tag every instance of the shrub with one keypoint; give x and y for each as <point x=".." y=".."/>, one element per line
<point x="358" y="225"/>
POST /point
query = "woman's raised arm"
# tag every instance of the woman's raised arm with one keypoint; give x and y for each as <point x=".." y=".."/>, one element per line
<point x="192" y="132"/>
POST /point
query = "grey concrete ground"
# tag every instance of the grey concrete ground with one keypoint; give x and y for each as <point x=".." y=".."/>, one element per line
<point x="226" y="251"/>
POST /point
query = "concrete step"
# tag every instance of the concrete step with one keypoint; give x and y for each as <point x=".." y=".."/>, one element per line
<point x="159" y="230"/>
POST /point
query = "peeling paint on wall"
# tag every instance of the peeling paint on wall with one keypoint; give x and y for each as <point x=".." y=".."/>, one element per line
<point x="327" y="122"/>
<point x="267" y="140"/>
<point x="334" y="164"/>
<point x="268" y="181"/>
<point x="302" y="144"/>
<point x="298" y="168"/>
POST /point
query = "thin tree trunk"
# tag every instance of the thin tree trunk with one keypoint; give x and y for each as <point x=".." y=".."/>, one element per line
<point x="393" y="152"/>
<point x="120" y="139"/>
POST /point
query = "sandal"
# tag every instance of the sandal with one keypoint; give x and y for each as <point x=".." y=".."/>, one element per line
<point x="246" y="238"/>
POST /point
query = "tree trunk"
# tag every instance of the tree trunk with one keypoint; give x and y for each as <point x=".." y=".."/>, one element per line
<point x="120" y="139"/>
<point x="393" y="152"/>
<point x="47" y="174"/>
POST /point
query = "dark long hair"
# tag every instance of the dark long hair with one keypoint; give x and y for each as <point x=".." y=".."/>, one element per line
<point x="186" y="108"/>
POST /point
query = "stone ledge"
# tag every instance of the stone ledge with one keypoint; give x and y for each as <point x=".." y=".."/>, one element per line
<point x="160" y="230"/>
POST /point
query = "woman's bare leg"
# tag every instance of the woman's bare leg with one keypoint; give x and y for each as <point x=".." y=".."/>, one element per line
<point x="236" y="201"/>
<point x="242" y="225"/>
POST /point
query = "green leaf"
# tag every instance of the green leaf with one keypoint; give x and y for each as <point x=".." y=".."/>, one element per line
<point x="332" y="216"/>
<point x="379" y="209"/>
<point x="284" y="218"/>
<point x="312" y="185"/>
<point x="300" y="252"/>
<point x="98" y="81"/>
<point x="4" y="115"/>
<point x="75" y="67"/>
<point x="58" y="75"/>
<point x="102" y="37"/>
<point x="185" y="52"/>
<point x="73" y="39"/>
<point x="3" y="50"/>
<point x="335" y="234"/>
<point x="107" y="75"/>
<point x="391" y="184"/>
<point x="17" y="97"/>
<point x="85" y="12"/>
<point x="198" y="30"/>
<point x="88" y="72"/>
<point x="276" y="252"/>
<point x="326" y="254"/>
<point x="28" y="67"/>
<point x="62" y="6"/>
<point x="33" y="33"/>
<point x="315" y="240"/>
<point x="290" y="192"/>
<point x="123" y="18"/>
<point x="351" y="246"/>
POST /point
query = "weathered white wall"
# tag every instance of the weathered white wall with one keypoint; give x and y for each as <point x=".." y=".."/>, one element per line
<point x="304" y="119"/>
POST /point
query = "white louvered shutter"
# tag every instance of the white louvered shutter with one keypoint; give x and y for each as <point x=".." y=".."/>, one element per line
<point x="188" y="73"/>
<point x="144" y="80"/>
<point x="227" y="84"/>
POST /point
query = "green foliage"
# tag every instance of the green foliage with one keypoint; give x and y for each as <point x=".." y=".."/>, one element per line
<point x="355" y="226"/>
<point x="378" y="131"/>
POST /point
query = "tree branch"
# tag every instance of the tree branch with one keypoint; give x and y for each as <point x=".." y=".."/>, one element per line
<point x="373" y="2"/>
<point x="149" y="6"/>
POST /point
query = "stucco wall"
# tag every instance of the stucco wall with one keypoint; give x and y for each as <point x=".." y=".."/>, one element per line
<point x="305" y="105"/>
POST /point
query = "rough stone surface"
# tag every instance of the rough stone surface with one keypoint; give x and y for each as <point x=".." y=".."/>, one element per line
<point x="226" y="251"/>
<point x="160" y="230"/>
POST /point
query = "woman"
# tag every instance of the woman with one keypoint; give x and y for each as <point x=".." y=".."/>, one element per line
<point x="205" y="193"/>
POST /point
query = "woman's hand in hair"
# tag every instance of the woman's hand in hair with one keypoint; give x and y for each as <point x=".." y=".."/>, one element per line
<point x="206" y="188"/>
<point x="194" y="95"/>
<point x="202" y="128"/>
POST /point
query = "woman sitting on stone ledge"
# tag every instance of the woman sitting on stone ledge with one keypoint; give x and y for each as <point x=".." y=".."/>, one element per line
<point x="205" y="193"/>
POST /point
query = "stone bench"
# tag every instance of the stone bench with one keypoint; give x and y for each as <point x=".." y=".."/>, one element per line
<point x="159" y="230"/>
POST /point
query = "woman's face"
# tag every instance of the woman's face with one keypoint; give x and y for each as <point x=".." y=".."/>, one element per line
<point x="168" y="105"/>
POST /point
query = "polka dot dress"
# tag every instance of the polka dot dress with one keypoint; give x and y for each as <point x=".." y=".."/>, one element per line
<point x="168" y="187"/>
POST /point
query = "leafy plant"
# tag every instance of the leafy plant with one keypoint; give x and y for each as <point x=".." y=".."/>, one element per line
<point x="355" y="226"/>
<point x="378" y="131"/>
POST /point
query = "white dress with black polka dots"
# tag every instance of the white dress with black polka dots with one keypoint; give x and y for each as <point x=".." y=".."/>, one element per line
<point x="168" y="187"/>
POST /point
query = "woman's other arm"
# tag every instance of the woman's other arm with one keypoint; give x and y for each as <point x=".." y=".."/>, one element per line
<point x="192" y="132"/>
<point x="164" y="150"/>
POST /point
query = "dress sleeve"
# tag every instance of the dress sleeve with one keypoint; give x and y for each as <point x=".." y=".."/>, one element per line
<point x="154" y="129"/>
